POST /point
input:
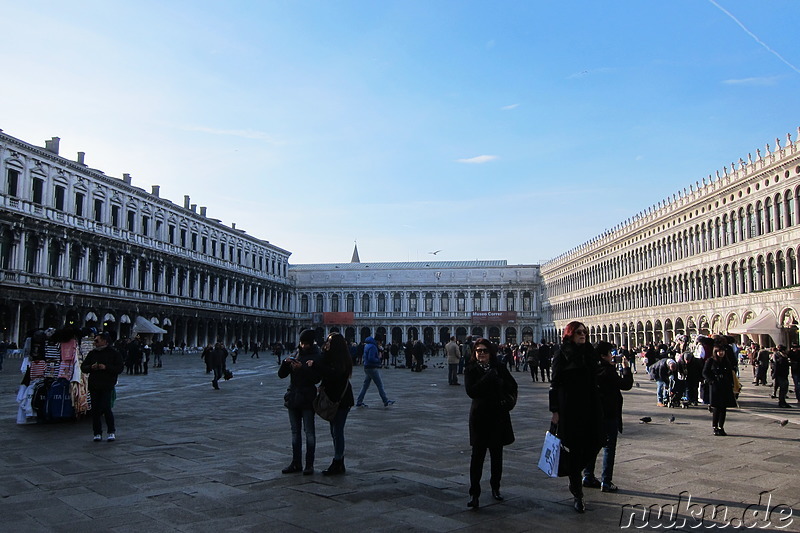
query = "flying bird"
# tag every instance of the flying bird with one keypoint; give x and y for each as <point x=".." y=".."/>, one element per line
<point x="784" y="422"/>
<point x="434" y="253"/>
<point x="645" y="420"/>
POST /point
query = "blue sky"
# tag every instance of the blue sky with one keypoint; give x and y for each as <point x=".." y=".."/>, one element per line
<point x="489" y="130"/>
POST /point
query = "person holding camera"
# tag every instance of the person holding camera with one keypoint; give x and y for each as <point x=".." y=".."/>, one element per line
<point x="610" y="384"/>
<point x="103" y="364"/>
<point x="299" y="400"/>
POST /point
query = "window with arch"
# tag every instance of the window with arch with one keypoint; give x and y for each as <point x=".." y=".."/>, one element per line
<point x="428" y="302"/>
<point x="476" y="301"/>
<point x="335" y="303"/>
<point x="381" y="303"/>
<point x="752" y="223"/>
<point x="397" y="302"/>
<point x="319" y="303"/>
<point x="351" y="303"/>
<point x="780" y="219"/>
<point x="527" y="302"/>
<point x="444" y="302"/>
<point x="461" y="302"/>
<point x="510" y="302"/>
<point x="494" y="301"/>
<point x="791" y="209"/>
<point x="412" y="302"/>
<point x="767" y="216"/>
<point x="365" y="303"/>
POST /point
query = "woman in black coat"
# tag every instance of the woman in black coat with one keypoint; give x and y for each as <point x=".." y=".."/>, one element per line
<point x="718" y="375"/>
<point x="336" y="367"/>
<point x="494" y="392"/>
<point x="575" y="404"/>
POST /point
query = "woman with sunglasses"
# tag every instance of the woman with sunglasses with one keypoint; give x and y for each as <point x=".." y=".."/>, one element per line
<point x="336" y="367"/>
<point x="494" y="392"/>
<point x="575" y="404"/>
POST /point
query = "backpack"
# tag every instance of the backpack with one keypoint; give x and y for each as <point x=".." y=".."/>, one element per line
<point x="59" y="401"/>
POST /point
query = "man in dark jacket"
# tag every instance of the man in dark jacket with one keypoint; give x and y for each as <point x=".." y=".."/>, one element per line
<point x="218" y="356"/>
<point x="545" y="359"/>
<point x="372" y="365"/>
<point x="103" y="364"/>
<point x="661" y="371"/>
<point x="692" y="368"/>
<point x="610" y="385"/>
<point x="781" y="371"/>
<point x="794" y="365"/>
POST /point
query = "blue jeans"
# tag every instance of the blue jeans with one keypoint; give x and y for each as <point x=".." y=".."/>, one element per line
<point x="609" y="453"/>
<point x="662" y="391"/>
<point x="298" y="418"/>
<point x="372" y="374"/>
<point x="337" y="433"/>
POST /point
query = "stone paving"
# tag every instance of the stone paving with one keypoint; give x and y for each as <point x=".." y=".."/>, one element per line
<point x="189" y="458"/>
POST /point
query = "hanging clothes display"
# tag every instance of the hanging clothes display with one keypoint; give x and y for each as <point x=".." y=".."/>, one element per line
<point x="53" y="387"/>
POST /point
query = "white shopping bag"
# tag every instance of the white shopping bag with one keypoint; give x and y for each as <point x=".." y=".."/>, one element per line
<point x="551" y="453"/>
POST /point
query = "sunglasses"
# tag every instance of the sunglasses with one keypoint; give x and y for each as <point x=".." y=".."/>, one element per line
<point x="481" y="350"/>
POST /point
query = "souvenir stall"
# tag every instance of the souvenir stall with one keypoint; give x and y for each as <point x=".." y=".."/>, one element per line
<point x="53" y="388"/>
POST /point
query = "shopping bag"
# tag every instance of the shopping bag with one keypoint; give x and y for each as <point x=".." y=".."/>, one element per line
<point x="551" y="455"/>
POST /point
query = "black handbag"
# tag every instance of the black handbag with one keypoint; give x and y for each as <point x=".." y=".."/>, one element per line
<point x="324" y="406"/>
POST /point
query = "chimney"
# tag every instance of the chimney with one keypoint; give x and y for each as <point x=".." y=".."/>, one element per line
<point x="186" y="201"/>
<point x="193" y="207"/>
<point x="81" y="156"/>
<point x="126" y="178"/>
<point x="156" y="190"/>
<point x="52" y="145"/>
<point x="203" y="211"/>
<point x="233" y="225"/>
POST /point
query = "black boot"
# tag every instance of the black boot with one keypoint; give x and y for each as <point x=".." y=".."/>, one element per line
<point x="336" y="468"/>
<point x="473" y="503"/>
<point x="292" y="468"/>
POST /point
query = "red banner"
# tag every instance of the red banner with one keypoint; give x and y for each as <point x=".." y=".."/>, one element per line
<point x="335" y="319"/>
<point x="494" y="317"/>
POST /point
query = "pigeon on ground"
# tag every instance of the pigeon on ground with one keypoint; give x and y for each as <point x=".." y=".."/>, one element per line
<point x="784" y="422"/>
<point x="637" y="384"/>
<point x="672" y="419"/>
<point x="645" y="420"/>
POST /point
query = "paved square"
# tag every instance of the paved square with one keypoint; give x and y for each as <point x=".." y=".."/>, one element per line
<point x="189" y="458"/>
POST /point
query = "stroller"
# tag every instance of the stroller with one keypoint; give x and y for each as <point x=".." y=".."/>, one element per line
<point x="676" y="397"/>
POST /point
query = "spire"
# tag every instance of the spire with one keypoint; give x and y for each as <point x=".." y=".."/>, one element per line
<point x="355" y="258"/>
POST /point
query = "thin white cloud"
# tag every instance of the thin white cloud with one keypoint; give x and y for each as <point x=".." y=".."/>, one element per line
<point x="477" y="160"/>
<point x="246" y="134"/>
<point x="509" y="107"/>
<point x="753" y="35"/>
<point x="767" y="80"/>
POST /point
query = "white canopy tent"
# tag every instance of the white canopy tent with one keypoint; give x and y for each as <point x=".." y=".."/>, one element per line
<point x="142" y="325"/>
<point x="763" y="324"/>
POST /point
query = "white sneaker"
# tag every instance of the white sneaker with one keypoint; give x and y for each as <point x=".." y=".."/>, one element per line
<point x="111" y="437"/>
<point x="97" y="438"/>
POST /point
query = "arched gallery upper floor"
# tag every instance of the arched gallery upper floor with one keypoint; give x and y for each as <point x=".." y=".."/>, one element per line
<point x="744" y="226"/>
<point x="40" y="184"/>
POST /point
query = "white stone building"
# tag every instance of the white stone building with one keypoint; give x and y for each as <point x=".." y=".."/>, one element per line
<point x="720" y="257"/>
<point x="428" y="300"/>
<point x="79" y="247"/>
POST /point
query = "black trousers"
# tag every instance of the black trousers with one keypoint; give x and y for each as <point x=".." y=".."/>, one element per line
<point x="101" y="408"/>
<point x="476" y="468"/>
